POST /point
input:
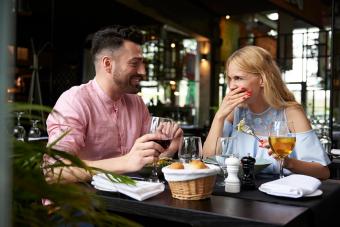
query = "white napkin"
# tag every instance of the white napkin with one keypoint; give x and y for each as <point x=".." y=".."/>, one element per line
<point x="188" y="173"/>
<point x="294" y="186"/>
<point x="141" y="191"/>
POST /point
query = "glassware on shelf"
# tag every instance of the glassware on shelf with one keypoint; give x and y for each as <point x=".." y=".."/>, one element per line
<point x="19" y="131"/>
<point x="326" y="143"/>
<point x="34" y="130"/>
<point x="325" y="140"/>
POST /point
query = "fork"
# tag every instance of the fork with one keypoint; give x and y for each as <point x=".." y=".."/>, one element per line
<point x="250" y="131"/>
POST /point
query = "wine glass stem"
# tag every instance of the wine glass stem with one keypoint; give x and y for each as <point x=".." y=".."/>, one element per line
<point x="224" y="173"/>
<point x="154" y="174"/>
<point x="281" y="167"/>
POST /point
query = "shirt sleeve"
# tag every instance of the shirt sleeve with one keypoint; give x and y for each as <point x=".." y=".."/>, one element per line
<point x="145" y="116"/>
<point x="308" y="148"/>
<point x="67" y="114"/>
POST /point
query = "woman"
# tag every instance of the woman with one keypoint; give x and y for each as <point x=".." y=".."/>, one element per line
<point x="259" y="95"/>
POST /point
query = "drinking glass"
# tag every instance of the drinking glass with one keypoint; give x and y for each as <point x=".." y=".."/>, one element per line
<point x="190" y="148"/>
<point x="164" y="127"/>
<point x="225" y="148"/>
<point x="19" y="131"/>
<point x="282" y="140"/>
<point x="34" y="130"/>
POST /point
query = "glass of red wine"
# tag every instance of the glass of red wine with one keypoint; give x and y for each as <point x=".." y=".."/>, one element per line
<point x="164" y="127"/>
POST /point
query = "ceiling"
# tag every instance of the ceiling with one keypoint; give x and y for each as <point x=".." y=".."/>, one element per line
<point x="68" y="20"/>
<point x="196" y="17"/>
<point x="238" y="7"/>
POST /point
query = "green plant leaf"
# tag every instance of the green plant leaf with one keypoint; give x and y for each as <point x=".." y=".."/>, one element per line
<point x="72" y="203"/>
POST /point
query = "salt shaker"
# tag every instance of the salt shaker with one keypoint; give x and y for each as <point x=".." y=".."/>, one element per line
<point x="248" y="178"/>
<point x="232" y="183"/>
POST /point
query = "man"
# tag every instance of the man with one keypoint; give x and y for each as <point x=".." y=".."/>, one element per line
<point x="108" y="122"/>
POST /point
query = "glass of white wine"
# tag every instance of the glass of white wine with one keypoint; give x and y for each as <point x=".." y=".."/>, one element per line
<point x="282" y="140"/>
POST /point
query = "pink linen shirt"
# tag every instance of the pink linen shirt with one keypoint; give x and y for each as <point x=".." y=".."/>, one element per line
<point x="100" y="127"/>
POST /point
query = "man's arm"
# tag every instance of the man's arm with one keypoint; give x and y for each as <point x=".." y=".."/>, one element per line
<point x="144" y="151"/>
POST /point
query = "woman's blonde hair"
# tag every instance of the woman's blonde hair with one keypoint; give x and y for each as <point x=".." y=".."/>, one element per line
<point x="256" y="60"/>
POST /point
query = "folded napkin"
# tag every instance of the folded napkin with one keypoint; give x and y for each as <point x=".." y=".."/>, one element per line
<point x="293" y="186"/>
<point x="188" y="173"/>
<point x="141" y="191"/>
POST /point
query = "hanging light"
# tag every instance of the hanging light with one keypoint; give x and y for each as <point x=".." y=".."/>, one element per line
<point x="273" y="16"/>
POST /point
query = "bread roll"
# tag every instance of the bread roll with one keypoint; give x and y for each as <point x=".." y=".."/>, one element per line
<point x="196" y="161"/>
<point x="176" y="165"/>
<point x="197" y="164"/>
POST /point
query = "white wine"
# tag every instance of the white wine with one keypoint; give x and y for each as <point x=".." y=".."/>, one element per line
<point x="282" y="146"/>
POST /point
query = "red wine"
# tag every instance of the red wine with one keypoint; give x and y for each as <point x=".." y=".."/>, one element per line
<point x="164" y="143"/>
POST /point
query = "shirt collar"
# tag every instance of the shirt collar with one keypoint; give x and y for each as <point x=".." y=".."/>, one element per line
<point x="109" y="103"/>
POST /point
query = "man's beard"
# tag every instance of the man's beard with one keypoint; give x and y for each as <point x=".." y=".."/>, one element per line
<point x="126" y="85"/>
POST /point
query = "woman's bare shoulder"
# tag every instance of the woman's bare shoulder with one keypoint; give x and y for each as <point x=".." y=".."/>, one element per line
<point x="297" y="115"/>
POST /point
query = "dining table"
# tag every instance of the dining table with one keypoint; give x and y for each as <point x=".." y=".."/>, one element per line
<point x="247" y="208"/>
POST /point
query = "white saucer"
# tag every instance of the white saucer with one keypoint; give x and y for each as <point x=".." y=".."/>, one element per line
<point x="317" y="192"/>
<point x="335" y="151"/>
<point x="211" y="160"/>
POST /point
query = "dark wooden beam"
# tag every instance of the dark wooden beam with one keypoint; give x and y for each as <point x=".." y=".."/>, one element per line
<point x="180" y="14"/>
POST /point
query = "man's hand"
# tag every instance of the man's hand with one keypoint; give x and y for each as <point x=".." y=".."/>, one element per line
<point x="144" y="151"/>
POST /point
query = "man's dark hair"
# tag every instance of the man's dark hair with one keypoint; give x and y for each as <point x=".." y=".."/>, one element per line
<point x="113" y="37"/>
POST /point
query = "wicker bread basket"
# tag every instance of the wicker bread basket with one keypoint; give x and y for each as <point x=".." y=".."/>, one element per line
<point x="197" y="189"/>
<point x="192" y="189"/>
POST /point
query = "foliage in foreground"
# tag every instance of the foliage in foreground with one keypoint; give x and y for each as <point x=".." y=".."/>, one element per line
<point x="72" y="203"/>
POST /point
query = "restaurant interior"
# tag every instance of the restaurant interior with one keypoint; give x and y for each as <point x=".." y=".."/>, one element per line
<point x="187" y="45"/>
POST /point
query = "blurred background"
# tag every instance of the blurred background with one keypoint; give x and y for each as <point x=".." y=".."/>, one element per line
<point x="44" y="50"/>
<point x="187" y="44"/>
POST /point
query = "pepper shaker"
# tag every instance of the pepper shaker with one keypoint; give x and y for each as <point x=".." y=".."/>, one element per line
<point x="248" y="178"/>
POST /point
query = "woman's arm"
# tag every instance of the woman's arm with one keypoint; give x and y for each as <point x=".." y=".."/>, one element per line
<point x="229" y="103"/>
<point x="214" y="132"/>
<point x="302" y="124"/>
<point x="313" y="169"/>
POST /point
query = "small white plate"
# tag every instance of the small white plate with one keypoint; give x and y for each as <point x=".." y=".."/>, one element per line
<point x="210" y="160"/>
<point x="317" y="192"/>
<point x="335" y="151"/>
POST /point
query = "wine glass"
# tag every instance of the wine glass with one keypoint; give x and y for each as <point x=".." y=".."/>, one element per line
<point x="164" y="127"/>
<point x="225" y="148"/>
<point x="191" y="148"/>
<point x="19" y="131"/>
<point x="34" y="131"/>
<point x="282" y="140"/>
